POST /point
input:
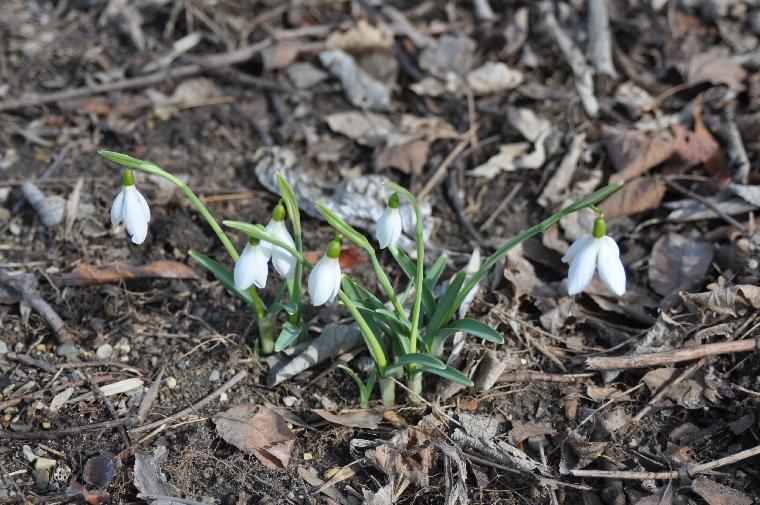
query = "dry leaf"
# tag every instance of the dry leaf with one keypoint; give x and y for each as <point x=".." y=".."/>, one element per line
<point x="368" y="419"/>
<point x="579" y="453"/>
<point x="362" y="37"/>
<point x="258" y="430"/>
<point x="519" y="272"/>
<point x="395" y="458"/>
<point x="60" y="399"/>
<point x="350" y="256"/>
<point x="750" y="194"/>
<point x="637" y="195"/>
<point x="430" y="128"/>
<point x="361" y="89"/>
<point x="633" y="153"/>
<point x="281" y="54"/>
<point x="677" y="261"/>
<point x="503" y="161"/>
<point x="409" y="157"/>
<point x="521" y="431"/>
<point x="367" y="128"/>
<point x="718" y="494"/>
<point x="493" y="78"/>
<point x="451" y="54"/>
<point x="688" y="393"/>
<point x="149" y="480"/>
<point x="693" y="149"/>
<point x="723" y="301"/>
<point x="88" y="275"/>
<point x="716" y="69"/>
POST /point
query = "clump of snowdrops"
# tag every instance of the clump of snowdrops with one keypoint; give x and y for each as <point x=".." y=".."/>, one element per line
<point x="405" y="332"/>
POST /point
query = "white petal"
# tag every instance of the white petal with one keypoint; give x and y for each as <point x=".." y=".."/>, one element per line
<point x="143" y="205"/>
<point x="610" y="267"/>
<point x="337" y="277"/>
<point x="133" y="215"/>
<point x="251" y="268"/>
<point x="116" y="208"/>
<point x="582" y="268"/>
<point x="283" y="261"/>
<point x="266" y="247"/>
<point x="578" y="245"/>
<point x="388" y="229"/>
<point x="322" y="280"/>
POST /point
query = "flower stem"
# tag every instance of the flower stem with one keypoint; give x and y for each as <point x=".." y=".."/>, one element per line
<point x="266" y="334"/>
<point x="376" y="350"/>
<point x="388" y="391"/>
<point x="414" y="383"/>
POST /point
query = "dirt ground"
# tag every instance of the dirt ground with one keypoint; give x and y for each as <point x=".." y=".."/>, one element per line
<point x="210" y="89"/>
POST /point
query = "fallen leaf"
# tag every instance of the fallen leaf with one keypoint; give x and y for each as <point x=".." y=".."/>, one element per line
<point x="522" y="431"/>
<point x="503" y="161"/>
<point x="367" y="128"/>
<point x="750" y="194"/>
<point x="715" y="164"/>
<point x="451" y="54"/>
<point x="368" y="419"/>
<point x="693" y="149"/>
<point x="149" y="480"/>
<point x="360" y="88"/>
<point x="410" y="157"/>
<point x="361" y="37"/>
<point x="677" y="261"/>
<point x="88" y="275"/>
<point x="258" y="430"/>
<point x="493" y="77"/>
<point x="60" y="399"/>
<point x="350" y="256"/>
<point x="111" y="389"/>
<point x="100" y="470"/>
<point x="633" y="153"/>
<point x="520" y="274"/>
<point x="723" y="301"/>
<point x="525" y="121"/>
<point x="718" y="494"/>
<point x="578" y="452"/>
<point x="304" y="75"/>
<point x="431" y="128"/>
<point x="383" y="496"/>
<point x="395" y="458"/>
<point x="636" y="195"/>
<point x="716" y="69"/>
<point x="281" y="54"/>
<point x="688" y="393"/>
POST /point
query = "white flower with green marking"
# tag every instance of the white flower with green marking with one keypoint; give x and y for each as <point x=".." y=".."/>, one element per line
<point x="325" y="277"/>
<point x="130" y="206"/>
<point x="595" y="252"/>
<point x="252" y="266"/>
<point x="389" y="226"/>
<point x="283" y="261"/>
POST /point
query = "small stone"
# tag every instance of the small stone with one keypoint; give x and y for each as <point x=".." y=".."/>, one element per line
<point x="20" y="427"/>
<point x="289" y="401"/>
<point x="307" y="456"/>
<point x="223" y="397"/>
<point x="41" y="480"/>
<point x="104" y="351"/>
<point x="330" y="472"/>
<point x="171" y="382"/>
<point x="28" y="453"/>
<point x="44" y="463"/>
<point x="3" y="348"/>
<point x="47" y="425"/>
<point x="66" y="349"/>
<point x="215" y="375"/>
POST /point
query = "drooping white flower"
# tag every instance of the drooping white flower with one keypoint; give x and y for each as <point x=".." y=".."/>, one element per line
<point x="325" y="277"/>
<point x="389" y="227"/>
<point x="130" y="206"/>
<point x="283" y="261"/>
<point x="252" y="267"/>
<point x="595" y="252"/>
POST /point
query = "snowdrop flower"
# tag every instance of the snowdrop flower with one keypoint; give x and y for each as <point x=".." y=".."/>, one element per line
<point x="252" y="266"/>
<point x="324" y="279"/>
<point x="130" y="207"/>
<point x="283" y="261"/>
<point x="595" y="252"/>
<point x="388" y="229"/>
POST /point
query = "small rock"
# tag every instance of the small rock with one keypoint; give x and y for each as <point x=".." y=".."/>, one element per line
<point x="3" y="348"/>
<point x="104" y="351"/>
<point x="41" y="480"/>
<point x="330" y="472"/>
<point x="44" y="463"/>
<point x="307" y="456"/>
<point x="289" y="401"/>
<point x="47" y="425"/>
<point x="66" y="349"/>
<point x="214" y="375"/>
<point x="28" y="453"/>
<point x="20" y="427"/>
<point x="171" y="382"/>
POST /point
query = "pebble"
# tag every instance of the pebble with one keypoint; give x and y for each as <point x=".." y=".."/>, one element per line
<point x="66" y="349"/>
<point x="41" y="480"/>
<point x="289" y="401"/>
<point x="215" y="375"/>
<point x="104" y="351"/>
<point x="330" y="472"/>
<point x="28" y="453"/>
<point x="307" y="456"/>
<point x="171" y="382"/>
<point x="3" y="348"/>
<point x="44" y="463"/>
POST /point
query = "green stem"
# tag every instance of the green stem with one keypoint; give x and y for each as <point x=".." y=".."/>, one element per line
<point x="291" y="204"/>
<point x="266" y="334"/>
<point x="385" y="283"/>
<point x="388" y="391"/>
<point x="414" y="383"/>
<point x="152" y="168"/>
<point x="369" y="336"/>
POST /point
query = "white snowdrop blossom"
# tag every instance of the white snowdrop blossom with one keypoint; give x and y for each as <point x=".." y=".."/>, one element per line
<point x="389" y="227"/>
<point x="130" y="206"/>
<point x="283" y="261"/>
<point x="325" y="277"/>
<point x="595" y="252"/>
<point x="252" y="267"/>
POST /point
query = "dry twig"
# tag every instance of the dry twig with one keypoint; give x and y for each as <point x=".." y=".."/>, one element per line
<point x="675" y="356"/>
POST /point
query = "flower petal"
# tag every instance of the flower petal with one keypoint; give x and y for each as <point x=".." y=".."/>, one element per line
<point x="611" y="269"/>
<point x="116" y="208"/>
<point x="337" y="277"/>
<point x="577" y="246"/>
<point x="283" y="261"/>
<point x="251" y="268"/>
<point x="133" y="215"/>
<point x="143" y="205"/>
<point x="388" y="229"/>
<point x="321" y="284"/>
<point x="582" y="267"/>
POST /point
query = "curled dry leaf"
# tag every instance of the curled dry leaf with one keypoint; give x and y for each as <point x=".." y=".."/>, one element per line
<point x="521" y="431"/>
<point x="715" y="68"/>
<point x="149" y="480"/>
<point x="88" y="275"/>
<point x="258" y="430"/>
<point x="395" y="457"/>
<point x="361" y="37"/>
<point x="718" y="494"/>
<point x="368" y="419"/>
<point x="677" y="261"/>
<point x="493" y="77"/>
<point x="688" y="393"/>
<point x="637" y="195"/>
<point x="361" y="89"/>
<point x="367" y="128"/>
<point x="503" y="161"/>
<point x="723" y="301"/>
<point x="578" y="452"/>
<point x="409" y="157"/>
<point x="633" y="153"/>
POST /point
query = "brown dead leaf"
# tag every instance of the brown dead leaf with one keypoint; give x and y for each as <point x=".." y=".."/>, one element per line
<point x="716" y="69"/>
<point x="633" y="153"/>
<point x="723" y="301"/>
<point x="718" y="494"/>
<point x="409" y="157"/>
<point x="281" y="54"/>
<point x="688" y="393"/>
<point x="520" y="274"/>
<point x="636" y="195"/>
<point x="677" y="261"/>
<point x="601" y="393"/>
<point x="368" y="419"/>
<point x="88" y="275"/>
<point x="395" y="419"/>
<point x="468" y="404"/>
<point x="350" y="256"/>
<point x="521" y="431"/>
<point x="692" y="148"/>
<point x="409" y="454"/>
<point x="362" y="37"/>
<point x="257" y="430"/>
<point x="714" y="164"/>
<point x="493" y="77"/>
<point x="578" y="452"/>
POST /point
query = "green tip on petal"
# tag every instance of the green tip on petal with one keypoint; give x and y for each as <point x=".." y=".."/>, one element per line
<point x="333" y="250"/>
<point x="393" y="201"/>
<point x="600" y="227"/>
<point x="253" y="241"/>
<point x="278" y="214"/>
<point x="128" y="178"/>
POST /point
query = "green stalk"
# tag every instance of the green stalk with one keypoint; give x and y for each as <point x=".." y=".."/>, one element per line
<point x="370" y="338"/>
<point x="388" y="391"/>
<point x="295" y="219"/>
<point x="385" y="283"/>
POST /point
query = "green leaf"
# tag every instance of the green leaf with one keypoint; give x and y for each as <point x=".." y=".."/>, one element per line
<point x="445" y="306"/>
<point x="287" y="336"/>
<point x="289" y="307"/>
<point x="124" y="159"/>
<point x="410" y="269"/>
<point x="435" y="272"/>
<point x="291" y="204"/>
<point x="222" y="274"/>
<point x="352" y="374"/>
<point x="473" y="327"/>
<point x="257" y="231"/>
<point x="369" y="331"/>
<point x="451" y="374"/>
<point x="424" y="361"/>
<point x="344" y="228"/>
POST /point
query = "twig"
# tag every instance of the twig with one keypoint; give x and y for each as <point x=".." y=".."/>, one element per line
<point x="710" y="205"/>
<point x="57" y="389"/>
<point x="530" y="376"/>
<point x="686" y="471"/>
<point x="187" y="501"/>
<point x="150" y="395"/>
<point x="64" y="432"/>
<point x="456" y="203"/>
<point x="35" y="301"/>
<point x="659" y="395"/>
<point x="599" y="47"/>
<point x="209" y="62"/>
<point x="36" y="363"/>
<point x="660" y="358"/>
<point x="194" y="407"/>
<point x="502" y="205"/>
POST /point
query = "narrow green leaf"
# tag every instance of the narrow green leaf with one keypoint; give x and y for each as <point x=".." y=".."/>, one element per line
<point x="410" y="269"/>
<point x="369" y="332"/>
<point x="445" y="306"/>
<point x="451" y="374"/>
<point x="257" y="231"/>
<point x="424" y="361"/>
<point x="291" y="204"/>
<point x="289" y="307"/>
<point x="473" y="327"/>
<point x="287" y="336"/>
<point x="352" y="374"/>
<point x="222" y="274"/>
<point x="344" y="228"/>
<point x="435" y="272"/>
<point x="124" y="159"/>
